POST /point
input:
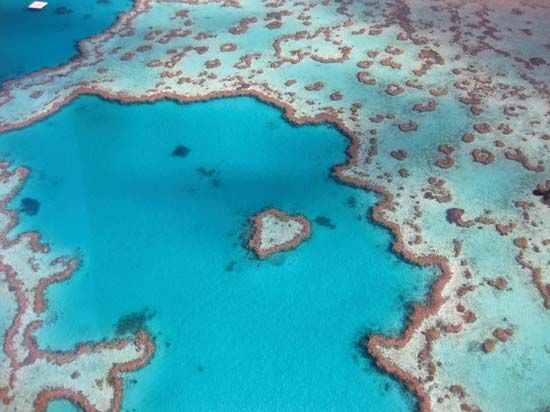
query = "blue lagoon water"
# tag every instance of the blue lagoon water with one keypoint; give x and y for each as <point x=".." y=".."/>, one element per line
<point x="161" y="238"/>
<point x="62" y="405"/>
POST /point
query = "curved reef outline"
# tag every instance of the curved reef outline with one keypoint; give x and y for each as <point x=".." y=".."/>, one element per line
<point x="420" y="312"/>
<point x="31" y="377"/>
<point x="256" y="241"/>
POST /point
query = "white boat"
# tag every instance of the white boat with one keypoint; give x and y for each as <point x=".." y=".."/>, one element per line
<point x="37" y="5"/>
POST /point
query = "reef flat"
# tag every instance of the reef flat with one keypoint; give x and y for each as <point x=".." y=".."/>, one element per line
<point x="446" y="105"/>
<point x="31" y="377"/>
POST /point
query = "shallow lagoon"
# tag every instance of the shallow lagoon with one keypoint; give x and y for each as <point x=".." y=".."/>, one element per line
<point x="161" y="236"/>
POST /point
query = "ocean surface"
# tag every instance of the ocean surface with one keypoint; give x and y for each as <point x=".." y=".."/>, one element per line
<point x="161" y="241"/>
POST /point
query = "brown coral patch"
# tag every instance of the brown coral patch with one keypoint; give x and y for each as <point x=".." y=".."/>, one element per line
<point x="228" y="47"/>
<point x="469" y="316"/>
<point x="454" y="215"/>
<point x="364" y="78"/>
<point x="144" y="48"/>
<point x="275" y="24"/>
<point x="399" y="154"/>
<point x="365" y="64"/>
<point x="438" y="91"/>
<point x="212" y="63"/>
<point x="468" y="138"/>
<point x="389" y="62"/>
<point x="483" y="156"/>
<point x="394" y="89"/>
<point x="505" y="229"/>
<point x="502" y="334"/>
<point x="543" y="191"/>
<point x="457" y="390"/>
<point x="425" y="107"/>
<point x="499" y="283"/>
<point x="127" y="56"/>
<point x="521" y="242"/>
<point x="445" y="162"/>
<point x="404" y="172"/>
<point x="520" y="157"/>
<point x="314" y="86"/>
<point x="482" y="127"/>
<point x="488" y="346"/>
<point x="255" y="242"/>
<point x="409" y="126"/>
<point x="445" y="148"/>
<point x="242" y="27"/>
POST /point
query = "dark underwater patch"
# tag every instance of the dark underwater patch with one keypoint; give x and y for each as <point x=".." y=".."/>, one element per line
<point x="181" y="151"/>
<point x="325" y="221"/>
<point x="29" y="206"/>
<point x="63" y="10"/>
<point x="206" y="172"/>
<point x="133" y="322"/>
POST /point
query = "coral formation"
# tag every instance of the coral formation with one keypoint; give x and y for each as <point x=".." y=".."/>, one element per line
<point x="447" y="55"/>
<point x="275" y="231"/>
<point x="31" y="377"/>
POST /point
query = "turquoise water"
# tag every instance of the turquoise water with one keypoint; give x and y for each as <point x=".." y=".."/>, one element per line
<point x="32" y="40"/>
<point x="162" y="236"/>
<point x="62" y="405"/>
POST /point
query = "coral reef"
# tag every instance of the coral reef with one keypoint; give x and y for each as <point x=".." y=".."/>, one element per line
<point x="480" y="74"/>
<point x="31" y="377"/>
<point x="275" y="231"/>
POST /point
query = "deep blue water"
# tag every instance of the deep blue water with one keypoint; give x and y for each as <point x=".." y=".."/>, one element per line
<point x="162" y="235"/>
<point x="32" y="40"/>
